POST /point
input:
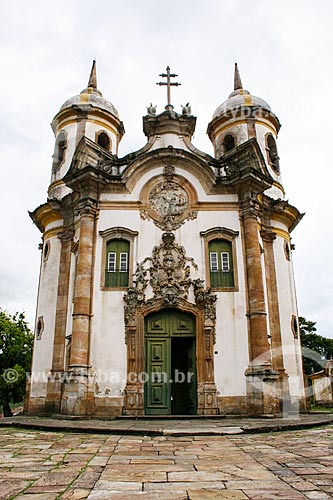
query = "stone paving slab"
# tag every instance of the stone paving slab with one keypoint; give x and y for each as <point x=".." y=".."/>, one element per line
<point x="264" y="466"/>
<point x="177" y="427"/>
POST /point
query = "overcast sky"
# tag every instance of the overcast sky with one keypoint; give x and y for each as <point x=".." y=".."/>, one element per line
<point x="284" y="54"/>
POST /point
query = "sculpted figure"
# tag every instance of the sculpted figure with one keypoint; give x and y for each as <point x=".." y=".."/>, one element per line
<point x="151" y="110"/>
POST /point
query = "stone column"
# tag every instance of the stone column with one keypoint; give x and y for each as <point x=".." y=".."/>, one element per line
<point x="262" y="390"/>
<point x="259" y="346"/>
<point x="268" y="238"/>
<point x="78" y="397"/>
<point x="54" y="385"/>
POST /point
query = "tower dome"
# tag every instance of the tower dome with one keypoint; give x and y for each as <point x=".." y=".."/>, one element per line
<point x="91" y="96"/>
<point x="87" y="114"/>
<point x="244" y="116"/>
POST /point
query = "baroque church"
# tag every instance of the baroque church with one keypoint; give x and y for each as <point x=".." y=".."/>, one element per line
<point x="166" y="283"/>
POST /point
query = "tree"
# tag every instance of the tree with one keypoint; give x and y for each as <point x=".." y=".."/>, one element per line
<point x="16" y="341"/>
<point x="313" y="344"/>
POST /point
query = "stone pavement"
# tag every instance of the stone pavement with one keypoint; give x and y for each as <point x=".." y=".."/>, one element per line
<point x="170" y="426"/>
<point x="44" y="465"/>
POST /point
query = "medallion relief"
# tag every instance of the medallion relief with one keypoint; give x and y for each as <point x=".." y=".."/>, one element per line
<point x="167" y="202"/>
<point x="168" y="199"/>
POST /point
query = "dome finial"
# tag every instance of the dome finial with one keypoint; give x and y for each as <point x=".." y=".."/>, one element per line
<point x="93" y="77"/>
<point x="237" y="79"/>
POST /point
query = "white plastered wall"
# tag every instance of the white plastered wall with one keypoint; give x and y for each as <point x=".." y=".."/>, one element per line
<point x="46" y="307"/>
<point x="288" y="307"/>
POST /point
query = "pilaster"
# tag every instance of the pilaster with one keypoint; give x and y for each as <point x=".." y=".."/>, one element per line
<point x="78" y="392"/>
<point x="55" y="382"/>
<point x="258" y="339"/>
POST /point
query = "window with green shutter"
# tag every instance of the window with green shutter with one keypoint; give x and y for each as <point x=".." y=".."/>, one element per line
<point x="117" y="259"/>
<point x="221" y="264"/>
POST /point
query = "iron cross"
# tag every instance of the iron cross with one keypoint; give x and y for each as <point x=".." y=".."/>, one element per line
<point x="168" y="83"/>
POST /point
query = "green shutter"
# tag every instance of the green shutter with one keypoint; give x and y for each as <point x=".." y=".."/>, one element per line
<point x="221" y="278"/>
<point x="118" y="277"/>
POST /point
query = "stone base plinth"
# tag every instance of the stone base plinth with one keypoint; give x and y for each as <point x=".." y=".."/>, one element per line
<point x="134" y="400"/>
<point x="233" y="405"/>
<point x="207" y="399"/>
<point x="78" y="392"/>
<point x="109" y="407"/>
<point x="54" y="391"/>
<point x="263" y="391"/>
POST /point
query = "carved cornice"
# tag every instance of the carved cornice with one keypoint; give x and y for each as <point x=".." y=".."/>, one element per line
<point x="219" y="232"/>
<point x="86" y="207"/>
<point x="119" y="233"/>
<point x="44" y="215"/>
<point x="267" y="234"/>
<point x="282" y="211"/>
<point x="66" y="234"/>
<point x="169" y="122"/>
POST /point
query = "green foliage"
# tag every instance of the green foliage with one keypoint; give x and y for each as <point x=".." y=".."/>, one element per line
<point x="313" y="343"/>
<point x="16" y="342"/>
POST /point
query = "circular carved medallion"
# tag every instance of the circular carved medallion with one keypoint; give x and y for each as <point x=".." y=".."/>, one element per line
<point x="168" y="199"/>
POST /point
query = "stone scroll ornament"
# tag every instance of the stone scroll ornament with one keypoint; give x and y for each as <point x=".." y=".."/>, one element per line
<point x="168" y="272"/>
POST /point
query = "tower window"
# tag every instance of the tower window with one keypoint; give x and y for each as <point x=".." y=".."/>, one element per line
<point x="287" y="250"/>
<point x="46" y="250"/>
<point x="117" y="258"/>
<point x="39" y="327"/>
<point x="228" y="143"/>
<point x="273" y="156"/>
<point x="59" y="151"/>
<point x="103" y="140"/>
<point x="294" y="326"/>
<point x="220" y="258"/>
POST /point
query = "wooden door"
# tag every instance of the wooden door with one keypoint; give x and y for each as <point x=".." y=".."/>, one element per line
<point x="170" y="346"/>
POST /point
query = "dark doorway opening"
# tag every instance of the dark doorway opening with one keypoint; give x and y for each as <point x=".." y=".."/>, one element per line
<point x="183" y="385"/>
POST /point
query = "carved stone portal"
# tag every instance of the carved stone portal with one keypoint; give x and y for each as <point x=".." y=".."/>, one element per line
<point x="166" y="278"/>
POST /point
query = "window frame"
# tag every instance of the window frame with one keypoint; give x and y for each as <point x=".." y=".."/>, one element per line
<point x="57" y="163"/>
<point x="274" y="167"/>
<point x="100" y="132"/>
<point x="226" y="234"/>
<point x="117" y="233"/>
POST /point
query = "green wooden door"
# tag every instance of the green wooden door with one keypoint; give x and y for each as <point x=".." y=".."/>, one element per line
<point x="169" y="345"/>
<point x="158" y="370"/>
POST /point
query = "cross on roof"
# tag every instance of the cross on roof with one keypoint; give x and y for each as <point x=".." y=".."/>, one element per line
<point x="168" y="83"/>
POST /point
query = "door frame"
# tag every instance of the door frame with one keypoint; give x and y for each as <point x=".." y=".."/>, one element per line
<point x="166" y="339"/>
<point x="135" y="339"/>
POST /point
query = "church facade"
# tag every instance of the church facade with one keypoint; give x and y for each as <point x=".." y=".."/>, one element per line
<point x="166" y="282"/>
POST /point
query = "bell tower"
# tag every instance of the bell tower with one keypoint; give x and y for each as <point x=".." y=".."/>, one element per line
<point x="88" y="115"/>
<point x="244" y="116"/>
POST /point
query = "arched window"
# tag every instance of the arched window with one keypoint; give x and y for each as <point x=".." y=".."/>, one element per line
<point x="228" y="143"/>
<point x="273" y="156"/>
<point x="221" y="264"/>
<point x="103" y="140"/>
<point x="59" y="150"/>
<point x="117" y="263"/>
